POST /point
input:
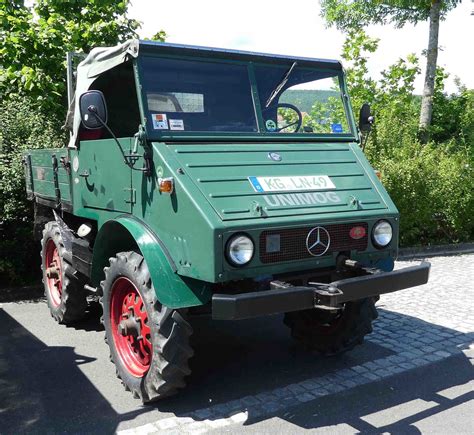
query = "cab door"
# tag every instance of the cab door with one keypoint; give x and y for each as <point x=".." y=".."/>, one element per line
<point x="101" y="179"/>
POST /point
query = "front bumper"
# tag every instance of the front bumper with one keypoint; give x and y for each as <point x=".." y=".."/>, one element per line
<point x="283" y="297"/>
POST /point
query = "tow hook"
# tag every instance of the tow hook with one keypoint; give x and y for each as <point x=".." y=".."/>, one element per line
<point x="325" y="295"/>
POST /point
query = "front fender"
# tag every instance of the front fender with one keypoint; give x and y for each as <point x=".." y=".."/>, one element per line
<point x="127" y="233"/>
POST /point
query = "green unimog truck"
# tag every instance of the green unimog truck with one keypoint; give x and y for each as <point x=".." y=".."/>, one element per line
<point x="208" y="181"/>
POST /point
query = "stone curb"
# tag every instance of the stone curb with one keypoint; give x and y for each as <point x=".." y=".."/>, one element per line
<point x="435" y="251"/>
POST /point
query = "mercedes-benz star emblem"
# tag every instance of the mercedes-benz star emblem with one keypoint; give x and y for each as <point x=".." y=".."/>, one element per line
<point x="275" y="157"/>
<point x="318" y="241"/>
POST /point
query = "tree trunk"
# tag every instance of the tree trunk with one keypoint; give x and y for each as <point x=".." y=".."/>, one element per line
<point x="430" y="75"/>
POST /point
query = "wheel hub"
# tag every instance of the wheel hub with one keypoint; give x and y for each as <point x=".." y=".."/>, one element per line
<point x="130" y="326"/>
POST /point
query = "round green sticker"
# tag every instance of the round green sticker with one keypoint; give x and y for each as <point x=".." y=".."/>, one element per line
<point x="270" y="125"/>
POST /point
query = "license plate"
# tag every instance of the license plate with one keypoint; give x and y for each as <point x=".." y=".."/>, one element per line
<point x="296" y="183"/>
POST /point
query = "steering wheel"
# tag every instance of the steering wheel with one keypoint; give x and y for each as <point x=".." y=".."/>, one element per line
<point x="298" y="123"/>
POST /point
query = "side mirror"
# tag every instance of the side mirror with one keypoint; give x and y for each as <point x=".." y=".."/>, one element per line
<point x="93" y="110"/>
<point x="366" y="119"/>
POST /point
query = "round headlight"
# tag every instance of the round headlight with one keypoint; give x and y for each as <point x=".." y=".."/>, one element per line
<point x="240" y="250"/>
<point x="382" y="234"/>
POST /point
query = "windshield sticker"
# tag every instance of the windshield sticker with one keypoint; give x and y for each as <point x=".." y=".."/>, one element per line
<point x="285" y="184"/>
<point x="270" y="125"/>
<point x="159" y="121"/>
<point x="337" y="128"/>
<point x="176" y="124"/>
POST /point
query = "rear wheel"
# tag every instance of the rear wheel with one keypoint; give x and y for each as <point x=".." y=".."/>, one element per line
<point x="149" y="343"/>
<point x="332" y="333"/>
<point x="63" y="289"/>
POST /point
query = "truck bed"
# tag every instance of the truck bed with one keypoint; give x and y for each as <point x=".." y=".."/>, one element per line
<point x="47" y="174"/>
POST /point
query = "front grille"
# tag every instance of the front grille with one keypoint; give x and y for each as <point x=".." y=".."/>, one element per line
<point x="291" y="243"/>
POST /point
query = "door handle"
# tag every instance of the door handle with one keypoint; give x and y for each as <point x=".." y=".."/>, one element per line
<point x="84" y="174"/>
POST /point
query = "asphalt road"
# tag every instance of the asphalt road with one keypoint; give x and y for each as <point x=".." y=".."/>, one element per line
<point x="414" y="374"/>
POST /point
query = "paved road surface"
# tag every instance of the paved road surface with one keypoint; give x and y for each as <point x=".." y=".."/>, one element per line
<point x="413" y="374"/>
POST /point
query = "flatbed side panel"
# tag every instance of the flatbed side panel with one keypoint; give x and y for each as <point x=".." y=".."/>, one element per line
<point x="43" y="176"/>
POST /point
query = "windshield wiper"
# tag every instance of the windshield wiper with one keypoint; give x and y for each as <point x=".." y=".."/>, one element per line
<point x="280" y="85"/>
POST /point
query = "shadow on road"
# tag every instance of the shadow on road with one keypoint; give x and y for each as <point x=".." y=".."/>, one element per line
<point x="237" y="359"/>
<point x="44" y="390"/>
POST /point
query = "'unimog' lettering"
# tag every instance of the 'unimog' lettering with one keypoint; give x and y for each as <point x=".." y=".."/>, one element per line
<point x="302" y="199"/>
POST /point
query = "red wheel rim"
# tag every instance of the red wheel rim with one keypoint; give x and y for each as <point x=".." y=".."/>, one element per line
<point x="54" y="272"/>
<point x="130" y="329"/>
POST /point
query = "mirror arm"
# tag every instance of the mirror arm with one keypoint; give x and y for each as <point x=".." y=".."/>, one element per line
<point x="93" y="110"/>
<point x="367" y="134"/>
<point x="127" y="159"/>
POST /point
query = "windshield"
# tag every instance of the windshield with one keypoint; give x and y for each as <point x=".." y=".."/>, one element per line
<point x="309" y="102"/>
<point x="214" y="96"/>
<point x="190" y="95"/>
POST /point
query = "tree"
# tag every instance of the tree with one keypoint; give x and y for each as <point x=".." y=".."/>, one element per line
<point x="34" y="41"/>
<point x="33" y="45"/>
<point x="352" y="14"/>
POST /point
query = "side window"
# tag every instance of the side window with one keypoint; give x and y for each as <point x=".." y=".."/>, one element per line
<point x="118" y="87"/>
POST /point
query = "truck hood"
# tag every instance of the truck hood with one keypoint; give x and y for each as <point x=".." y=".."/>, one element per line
<point x="247" y="181"/>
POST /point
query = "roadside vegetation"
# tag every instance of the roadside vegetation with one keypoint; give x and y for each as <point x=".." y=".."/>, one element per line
<point x="431" y="181"/>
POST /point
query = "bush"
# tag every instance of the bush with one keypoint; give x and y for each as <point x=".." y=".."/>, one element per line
<point x="23" y="126"/>
<point x="433" y="188"/>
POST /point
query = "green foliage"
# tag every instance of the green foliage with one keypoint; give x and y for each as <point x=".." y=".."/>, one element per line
<point x="432" y="185"/>
<point x="33" y="45"/>
<point x="354" y="14"/>
<point x="34" y="41"/>
<point x="23" y="126"/>
<point x="453" y="114"/>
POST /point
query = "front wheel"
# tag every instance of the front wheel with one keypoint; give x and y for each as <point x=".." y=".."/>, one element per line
<point x="333" y="333"/>
<point x="149" y="343"/>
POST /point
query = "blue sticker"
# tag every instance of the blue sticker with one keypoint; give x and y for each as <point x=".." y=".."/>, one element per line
<point x="337" y="128"/>
<point x="256" y="185"/>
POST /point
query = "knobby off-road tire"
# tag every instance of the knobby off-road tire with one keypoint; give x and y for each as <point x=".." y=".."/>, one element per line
<point x="63" y="288"/>
<point x="332" y="334"/>
<point x="153" y="366"/>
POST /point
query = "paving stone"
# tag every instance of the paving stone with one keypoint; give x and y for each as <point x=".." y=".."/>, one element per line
<point x="442" y="353"/>
<point x="202" y="414"/>
<point x="349" y="383"/>
<point x="433" y="357"/>
<point x="271" y="406"/>
<point x="309" y="385"/>
<point x="295" y="388"/>
<point x="266" y="397"/>
<point x="318" y="392"/>
<point x="305" y="397"/>
<point x="335" y="388"/>
<point x="250" y="400"/>
<point x="360" y="369"/>
<point x="371" y="376"/>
